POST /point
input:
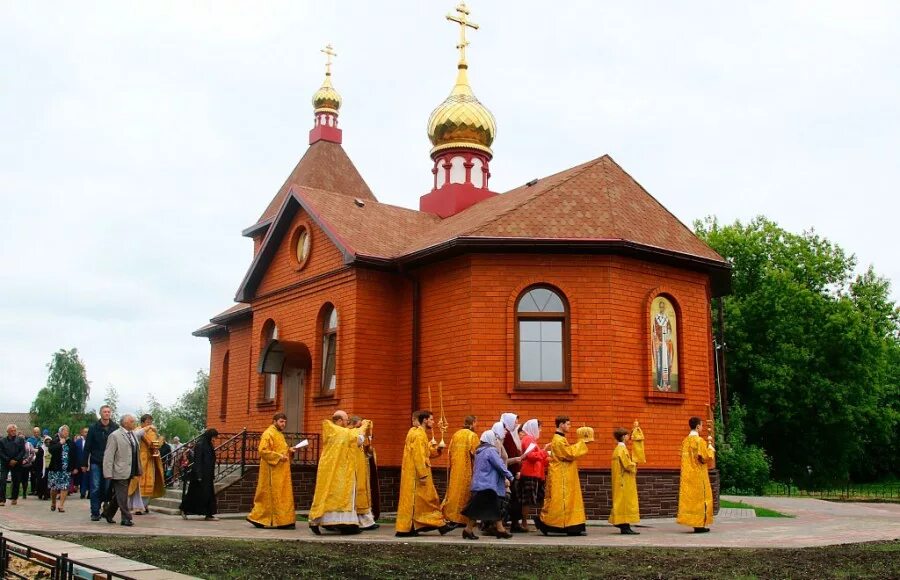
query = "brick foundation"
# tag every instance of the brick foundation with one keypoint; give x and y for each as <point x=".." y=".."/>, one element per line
<point x="657" y="490"/>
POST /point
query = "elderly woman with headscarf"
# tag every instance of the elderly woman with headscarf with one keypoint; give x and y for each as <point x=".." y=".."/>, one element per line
<point x="530" y="487"/>
<point x="200" y="495"/>
<point x="61" y="468"/>
<point x="490" y="481"/>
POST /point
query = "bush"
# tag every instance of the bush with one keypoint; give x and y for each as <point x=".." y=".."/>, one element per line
<point x="743" y="468"/>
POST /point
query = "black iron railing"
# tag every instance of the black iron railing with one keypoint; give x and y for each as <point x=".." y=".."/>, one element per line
<point x="16" y="558"/>
<point x="885" y="491"/>
<point x="234" y="452"/>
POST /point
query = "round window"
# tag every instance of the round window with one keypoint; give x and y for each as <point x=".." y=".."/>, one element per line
<point x="302" y="245"/>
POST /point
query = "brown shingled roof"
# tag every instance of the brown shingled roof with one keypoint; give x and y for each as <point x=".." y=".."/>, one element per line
<point x="596" y="203"/>
<point x="325" y="165"/>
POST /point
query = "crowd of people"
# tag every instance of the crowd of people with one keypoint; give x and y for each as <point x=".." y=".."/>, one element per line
<point x="497" y="480"/>
<point x="120" y="466"/>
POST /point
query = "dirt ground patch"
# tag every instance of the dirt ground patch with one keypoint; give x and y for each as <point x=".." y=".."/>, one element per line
<point x="234" y="559"/>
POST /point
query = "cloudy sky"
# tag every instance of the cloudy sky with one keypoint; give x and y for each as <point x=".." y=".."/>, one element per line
<point x="138" y="139"/>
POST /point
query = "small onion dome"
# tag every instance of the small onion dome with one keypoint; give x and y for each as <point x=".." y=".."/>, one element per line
<point x="461" y="120"/>
<point x="326" y="99"/>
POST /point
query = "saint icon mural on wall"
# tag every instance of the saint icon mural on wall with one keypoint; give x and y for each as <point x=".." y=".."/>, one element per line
<point x="664" y="345"/>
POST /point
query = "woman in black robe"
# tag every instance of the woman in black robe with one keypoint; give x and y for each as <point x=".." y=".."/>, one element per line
<point x="200" y="496"/>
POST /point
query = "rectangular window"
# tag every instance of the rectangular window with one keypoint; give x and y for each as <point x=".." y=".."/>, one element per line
<point x="541" y="351"/>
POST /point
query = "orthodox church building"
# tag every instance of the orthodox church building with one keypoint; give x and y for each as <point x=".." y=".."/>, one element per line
<point x="577" y="293"/>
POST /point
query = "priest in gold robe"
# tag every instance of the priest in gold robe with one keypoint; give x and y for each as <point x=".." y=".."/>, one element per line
<point x="273" y="504"/>
<point x="367" y="497"/>
<point x="563" y="511"/>
<point x="462" y="449"/>
<point x="695" y="499"/>
<point x="151" y="482"/>
<point x="337" y="494"/>
<point x="419" y="507"/>
<point x="624" y="486"/>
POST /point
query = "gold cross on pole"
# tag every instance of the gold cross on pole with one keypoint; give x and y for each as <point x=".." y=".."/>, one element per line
<point x="463" y="21"/>
<point x="329" y="52"/>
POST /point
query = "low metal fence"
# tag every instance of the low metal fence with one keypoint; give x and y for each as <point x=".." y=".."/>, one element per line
<point x="19" y="560"/>
<point x="846" y="491"/>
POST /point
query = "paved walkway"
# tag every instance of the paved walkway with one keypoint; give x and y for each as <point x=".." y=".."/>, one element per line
<point x="816" y="523"/>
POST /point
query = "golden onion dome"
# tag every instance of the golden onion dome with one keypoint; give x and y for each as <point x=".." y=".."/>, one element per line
<point x="461" y="120"/>
<point x="326" y="99"/>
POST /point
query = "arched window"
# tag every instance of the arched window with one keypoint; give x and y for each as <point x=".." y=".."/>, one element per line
<point x="329" y="350"/>
<point x="270" y="333"/>
<point x="224" y="409"/>
<point x="542" y="339"/>
<point x="458" y="170"/>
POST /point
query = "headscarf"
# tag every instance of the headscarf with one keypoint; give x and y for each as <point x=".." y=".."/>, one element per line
<point x="509" y="422"/>
<point x="532" y="428"/>
<point x="211" y="434"/>
<point x="498" y="430"/>
<point x="489" y="437"/>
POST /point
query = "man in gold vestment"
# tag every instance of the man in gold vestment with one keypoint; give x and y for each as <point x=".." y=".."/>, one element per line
<point x="462" y="453"/>
<point x="151" y="483"/>
<point x="335" y="505"/>
<point x="563" y="511"/>
<point x="273" y="504"/>
<point x="419" y="507"/>
<point x="695" y="499"/>
<point x="624" y="486"/>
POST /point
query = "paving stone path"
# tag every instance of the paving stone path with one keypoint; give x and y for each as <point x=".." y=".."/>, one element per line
<point x="816" y="523"/>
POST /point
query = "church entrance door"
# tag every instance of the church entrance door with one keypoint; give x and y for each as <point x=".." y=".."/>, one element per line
<point x="294" y="383"/>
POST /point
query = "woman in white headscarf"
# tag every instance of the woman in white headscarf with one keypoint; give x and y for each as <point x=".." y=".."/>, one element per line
<point x="490" y="482"/>
<point x="530" y="487"/>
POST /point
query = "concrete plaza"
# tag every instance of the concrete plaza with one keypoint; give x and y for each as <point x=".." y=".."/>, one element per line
<point x="815" y="523"/>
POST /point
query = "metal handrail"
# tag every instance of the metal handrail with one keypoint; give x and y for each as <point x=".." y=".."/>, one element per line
<point x="239" y="450"/>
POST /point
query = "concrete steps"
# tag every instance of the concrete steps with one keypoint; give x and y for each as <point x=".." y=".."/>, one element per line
<point x="169" y="503"/>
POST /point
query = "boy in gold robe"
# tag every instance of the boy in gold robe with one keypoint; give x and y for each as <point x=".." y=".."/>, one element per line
<point x="337" y="494"/>
<point x="563" y="511"/>
<point x="624" y="486"/>
<point x="419" y="507"/>
<point x="273" y="504"/>
<point x="695" y="499"/>
<point x="462" y="453"/>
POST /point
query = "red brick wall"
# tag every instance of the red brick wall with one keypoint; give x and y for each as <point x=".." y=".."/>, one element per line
<point x="467" y="345"/>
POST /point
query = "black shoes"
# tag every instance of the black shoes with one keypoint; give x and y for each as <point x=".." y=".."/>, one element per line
<point x="95" y="518"/>
<point x="540" y="525"/>
<point x="630" y="532"/>
<point x="518" y="529"/>
<point x="127" y="523"/>
<point x="446" y="529"/>
<point x="370" y="528"/>
<point x="409" y="534"/>
<point x="315" y="530"/>
<point x="109" y="519"/>
<point x="701" y="530"/>
<point x="469" y="535"/>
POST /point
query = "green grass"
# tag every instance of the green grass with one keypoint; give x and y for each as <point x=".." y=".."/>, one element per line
<point x="760" y="512"/>
<point x="236" y="559"/>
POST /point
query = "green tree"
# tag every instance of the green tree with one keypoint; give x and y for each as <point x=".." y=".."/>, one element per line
<point x="63" y="400"/>
<point x="191" y="406"/>
<point x="744" y="468"/>
<point x="112" y="400"/>
<point x="810" y="352"/>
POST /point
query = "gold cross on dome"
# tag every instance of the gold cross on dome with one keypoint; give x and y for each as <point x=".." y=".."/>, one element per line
<point x="463" y="21"/>
<point x="329" y="52"/>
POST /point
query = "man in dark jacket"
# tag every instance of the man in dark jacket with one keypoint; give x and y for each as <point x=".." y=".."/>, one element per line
<point x="12" y="451"/>
<point x="92" y="459"/>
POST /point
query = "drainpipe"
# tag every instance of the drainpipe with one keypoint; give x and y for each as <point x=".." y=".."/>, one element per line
<point x="723" y="378"/>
